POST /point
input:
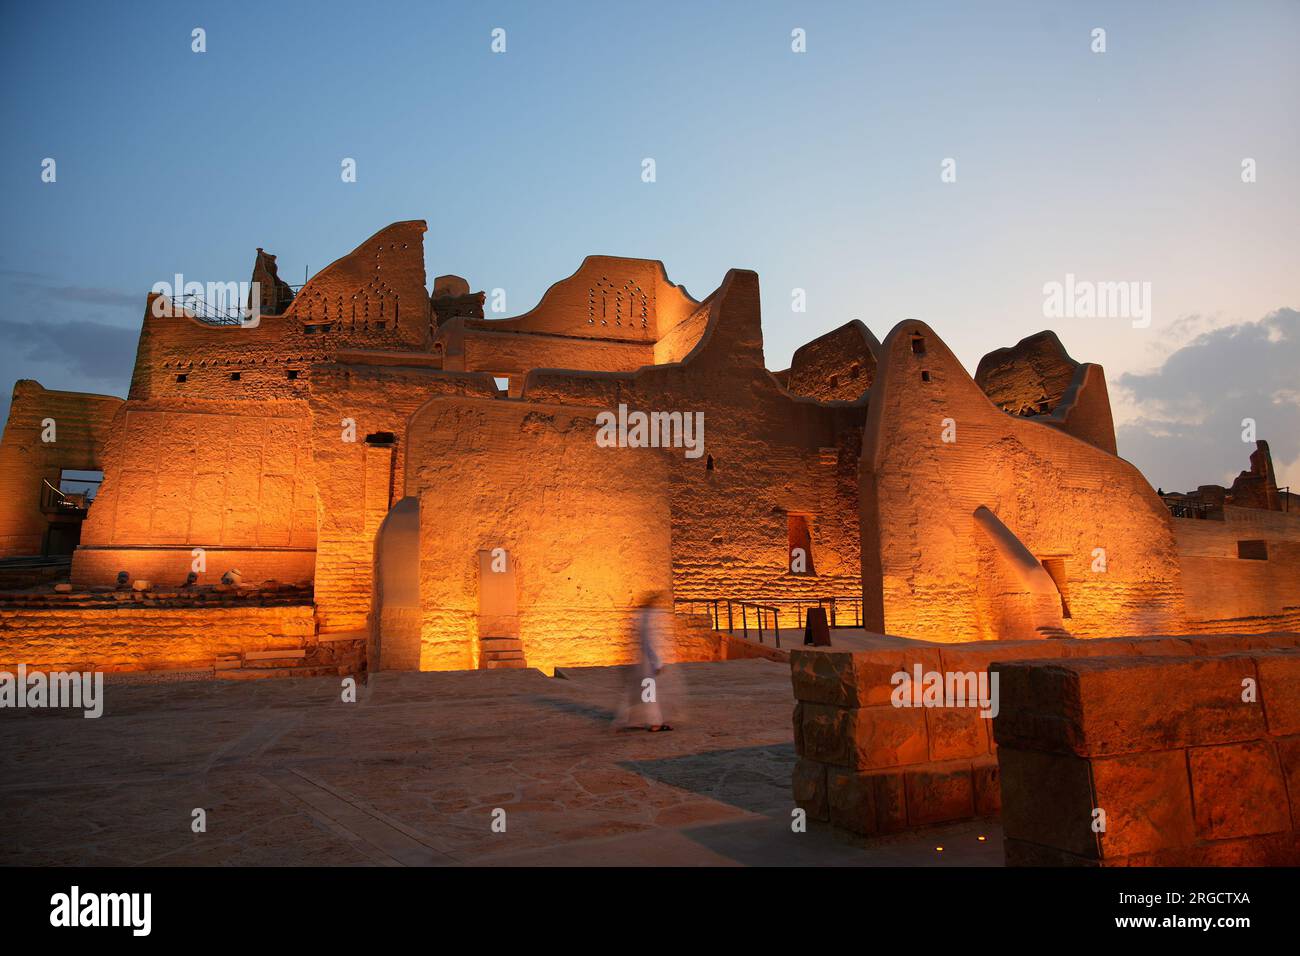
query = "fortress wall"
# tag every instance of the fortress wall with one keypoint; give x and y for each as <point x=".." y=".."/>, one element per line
<point x="624" y="518"/>
<point x="1037" y="378"/>
<point x="1035" y="371"/>
<point x="378" y="289"/>
<point x="677" y="341"/>
<point x="222" y="476"/>
<point x="1086" y="413"/>
<point x="1221" y="587"/>
<point x="515" y="354"/>
<point x="1062" y="497"/>
<point x="355" y="484"/>
<point x="81" y="424"/>
<point x="772" y="456"/>
<point x="372" y="298"/>
<point x="609" y="297"/>
<point x="838" y="366"/>
<point x="1212" y="538"/>
<point x="585" y="528"/>
<point x="207" y="356"/>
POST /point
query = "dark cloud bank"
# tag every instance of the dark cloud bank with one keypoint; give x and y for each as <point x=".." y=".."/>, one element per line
<point x="1189" y="429"/>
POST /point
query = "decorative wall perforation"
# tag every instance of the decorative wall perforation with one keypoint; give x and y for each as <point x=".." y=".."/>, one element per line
<point x="625" y="305"/>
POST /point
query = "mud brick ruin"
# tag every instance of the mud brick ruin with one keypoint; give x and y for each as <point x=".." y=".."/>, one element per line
<point x="368" y="441"/>
<point x="369" y="474"/>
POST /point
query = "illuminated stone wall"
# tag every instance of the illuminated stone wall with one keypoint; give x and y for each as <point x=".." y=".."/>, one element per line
<point x="356" y="483"/>
<point x="610" y="315"/>
<point x="1226" y="591"/>
<point x="587" y="531"/>
<point x="372" y="298"/>
<point x="838" y="366"/>
<point x="233" y="478"/>
<point x="1037" y="378"/>
<point x="927" y="571"/>
<point x="592" y="528"/>
<point x="767" y="455"/>
<point x="235" y="440"/>
<point x="81" y="426"/>
<point x="146" y="638"/>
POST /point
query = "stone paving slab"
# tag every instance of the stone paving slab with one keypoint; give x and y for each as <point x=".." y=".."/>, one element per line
<point x="411" y="774"/>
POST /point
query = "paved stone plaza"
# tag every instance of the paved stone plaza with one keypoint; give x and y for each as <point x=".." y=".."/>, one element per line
<point x="412" y="772"/>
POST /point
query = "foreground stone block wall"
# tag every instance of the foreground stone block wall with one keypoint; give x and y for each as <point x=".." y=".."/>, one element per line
<point x="871" y="767"/>
<point x="1184" y="761"/>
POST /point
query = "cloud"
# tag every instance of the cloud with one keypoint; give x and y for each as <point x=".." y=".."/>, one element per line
<point x="1185" y="425"/>
<point x="81" y="295"/>
<point x="94" y="350"/>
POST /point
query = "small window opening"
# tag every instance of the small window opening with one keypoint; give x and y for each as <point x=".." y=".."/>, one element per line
<point x="381" y="440"/>
<point x="1252" y="550"/>
<point x="503" y="383"/>
<point x="234" y="376"/>
<point x="182" y="377"/>
<point x="708" y="463"/>
<point x="925" y="375"/>
<point x="800" y="554"/>
<point x="918" y="345"/>
<point x="291" y="374"/>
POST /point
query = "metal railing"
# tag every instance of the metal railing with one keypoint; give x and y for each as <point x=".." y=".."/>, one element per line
<point x="71" y="502"/>
<point x="723" y="613"/>
<point x="205" y="311"/>
<point x="1187" y="508"/>
<point x="832" y="604"/>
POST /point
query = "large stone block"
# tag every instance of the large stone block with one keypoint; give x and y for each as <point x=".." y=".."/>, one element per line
<point x="1218" y="644"/>
<point x="1288" y="752"/>
<point x="939" y="794"/>
<point x="864" y="738"/>
<point x="1147" y="802"/>
<point x="867" y="802"/>
<point x="987" y="785"/>
<point x="825" y="734"/>
<point x="1237" y="790"/>
<point x="798" y="728"/>
<point x="1279" y="689"/>
<point x="980" y="656"/>
<point x="1114" y="705"/>
<point x="1047" y="801"/>
<point x="855" y="679"/>
<point x="809" y="785"/>
<point x="956" y="732"/>
<point x="823" y="677"/>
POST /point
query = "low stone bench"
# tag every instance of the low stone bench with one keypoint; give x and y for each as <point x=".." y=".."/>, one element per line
<point x="872" y="768"/>
<point x="1121" y="761"/>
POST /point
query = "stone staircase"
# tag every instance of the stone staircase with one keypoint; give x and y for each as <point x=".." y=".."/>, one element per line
<point x="497" y="653"/>
<point x="1052" y="632"/>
